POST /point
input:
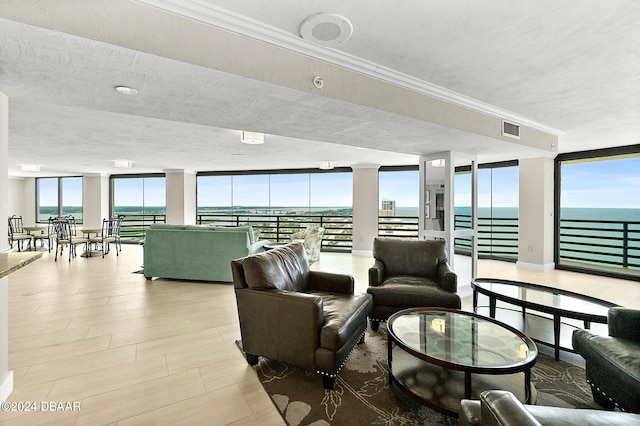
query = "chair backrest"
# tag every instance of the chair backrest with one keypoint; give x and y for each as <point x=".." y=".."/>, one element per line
<point x="410" y="257"/>
<point x="282" y="268"/>
<point x="72" y="225"/>
<point x="15" y="225"/>
<point x="63" y="228"/>
<point x="51" y="229"/>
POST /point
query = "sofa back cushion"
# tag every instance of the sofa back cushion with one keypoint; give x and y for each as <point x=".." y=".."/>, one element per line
<point x="410" y="257"/>
<point x="282" y="268"/>
<point x="248" y="229"/>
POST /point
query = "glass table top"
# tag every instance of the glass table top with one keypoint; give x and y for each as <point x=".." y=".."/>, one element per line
<point x="543" y="296"/>
<point x="462" y="339"/>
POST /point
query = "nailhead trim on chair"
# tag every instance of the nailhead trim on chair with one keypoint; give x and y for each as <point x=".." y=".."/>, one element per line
<point x="603" y="393"/>
<point x="343" y="362"/>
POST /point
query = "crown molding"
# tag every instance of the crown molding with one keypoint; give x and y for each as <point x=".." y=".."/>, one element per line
<point x="201" y="11"/>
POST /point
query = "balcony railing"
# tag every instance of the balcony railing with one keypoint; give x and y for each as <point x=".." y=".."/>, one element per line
<point x="604" y="244"/>
<point x="134" y="226"/>
<point x="497" y="237"/>
<point x="598" y="244"/>
<point x="338" y="230"/>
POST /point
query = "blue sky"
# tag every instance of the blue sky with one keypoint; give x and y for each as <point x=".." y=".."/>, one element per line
<point x="595" y="184"/>
<point x="602" y="184"/>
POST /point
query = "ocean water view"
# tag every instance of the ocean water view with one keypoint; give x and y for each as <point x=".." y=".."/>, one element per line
<point x="600" y="214"/>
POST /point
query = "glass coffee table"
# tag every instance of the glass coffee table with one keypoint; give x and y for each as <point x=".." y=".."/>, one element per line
<point x="556" y="303"/>
<point x="440" y="356"/>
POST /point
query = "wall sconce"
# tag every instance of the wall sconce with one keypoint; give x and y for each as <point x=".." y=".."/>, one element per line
<point x="438" y="163"/>
<point x="252" y="138"/>
<point x="325" y="165"/>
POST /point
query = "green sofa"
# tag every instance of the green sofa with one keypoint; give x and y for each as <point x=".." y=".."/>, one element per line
<point x="196" y="252"/>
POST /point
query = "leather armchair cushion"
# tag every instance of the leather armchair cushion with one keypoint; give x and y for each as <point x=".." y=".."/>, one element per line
<point x="406" y="291"/>
<point x="410" y="257"/>
<point x="343" y="315"/>
<point x="277" y="269"/>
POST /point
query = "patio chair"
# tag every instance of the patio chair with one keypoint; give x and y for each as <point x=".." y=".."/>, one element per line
<point x="17" y="234"/>
<point x="311" y="238"/>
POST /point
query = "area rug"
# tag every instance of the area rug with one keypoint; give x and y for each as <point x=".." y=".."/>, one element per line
<point x="362" y="395"/>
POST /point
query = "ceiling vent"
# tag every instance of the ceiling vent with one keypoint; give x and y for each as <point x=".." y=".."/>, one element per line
<point x="510" y="130"/>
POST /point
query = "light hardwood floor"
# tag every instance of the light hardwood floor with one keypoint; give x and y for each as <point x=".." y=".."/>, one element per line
<point x="135" y="352"/>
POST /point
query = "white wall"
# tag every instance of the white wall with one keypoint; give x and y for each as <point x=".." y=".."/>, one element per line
<point x="16" y="203"/>
<point x="6" y="376"/>
<point x="181" y="197"/>
<point x="95" y="200"/>
<point x="365" y="208"/>
<point x="536" y="214"/>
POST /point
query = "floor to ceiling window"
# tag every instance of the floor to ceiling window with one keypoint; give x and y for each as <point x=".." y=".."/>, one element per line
<point x="59" y="196"/>
<point x="398" y="206"/>
<point x="279" y="202"/>
<point x="599" y="211"/>
<point x="140" y="199"/>
<point x="498" y="201"/>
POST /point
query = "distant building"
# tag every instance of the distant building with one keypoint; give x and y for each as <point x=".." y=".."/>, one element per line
<point x="388" y="208"/>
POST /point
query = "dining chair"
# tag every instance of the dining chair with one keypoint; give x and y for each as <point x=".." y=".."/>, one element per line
<point x="106" y="237"/>
<point x="65" y="237"/>
<point x="17" y="233"/>
<point x="46" y="237"/>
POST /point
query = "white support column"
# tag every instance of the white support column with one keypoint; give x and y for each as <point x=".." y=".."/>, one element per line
<point x="95" y="200"/>
<point x="6" y="376"/>
<point x="365" y="208"/>
<point x="536" y="214"/>
<point x="181" y="197"/>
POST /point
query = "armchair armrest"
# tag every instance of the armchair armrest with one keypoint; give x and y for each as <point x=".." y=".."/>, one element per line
<point x="376" y="273"/>
<point x="334" y="283"/>
<point x="447" y="279"/>
<point x="502" y="408"/>
<point x="258" y="246"/>
<point x="624" y="323"/>
<point x="280" y="324"/>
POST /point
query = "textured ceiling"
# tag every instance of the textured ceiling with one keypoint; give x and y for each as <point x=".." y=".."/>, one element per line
<point x="570" y="65"/>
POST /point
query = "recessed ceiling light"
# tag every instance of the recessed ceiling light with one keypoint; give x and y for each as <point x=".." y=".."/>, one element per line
<point x="252" y="138"/>
<point x="124" y="164"/>
<point x="126" y="90"/>
<point x="30" y="167"/>
<point x="325" y="165"/>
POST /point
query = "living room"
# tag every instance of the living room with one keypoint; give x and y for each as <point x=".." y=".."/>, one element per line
<point x="413" y="119"/>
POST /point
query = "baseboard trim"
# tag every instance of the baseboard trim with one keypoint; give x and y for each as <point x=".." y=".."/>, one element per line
<point x="6" y="387"/>
<point x="368" y="253"/>
<point x="536" y="266"/>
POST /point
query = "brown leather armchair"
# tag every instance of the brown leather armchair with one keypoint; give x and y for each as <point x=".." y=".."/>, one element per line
<point x="613" y="361"/>
<point x="408" y="274"/>
<point x="309" y="319"/>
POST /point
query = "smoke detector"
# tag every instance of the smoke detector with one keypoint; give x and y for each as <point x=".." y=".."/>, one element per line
<point x="327" y="29"/>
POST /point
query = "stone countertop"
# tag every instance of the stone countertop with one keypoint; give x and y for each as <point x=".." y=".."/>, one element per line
<point x="11" y="262"/>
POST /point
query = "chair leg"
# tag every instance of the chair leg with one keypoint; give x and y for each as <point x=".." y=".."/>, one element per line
<point x="252" y="359"/>
<point x="328" y="382"/>
<point x="374" y="324"/>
